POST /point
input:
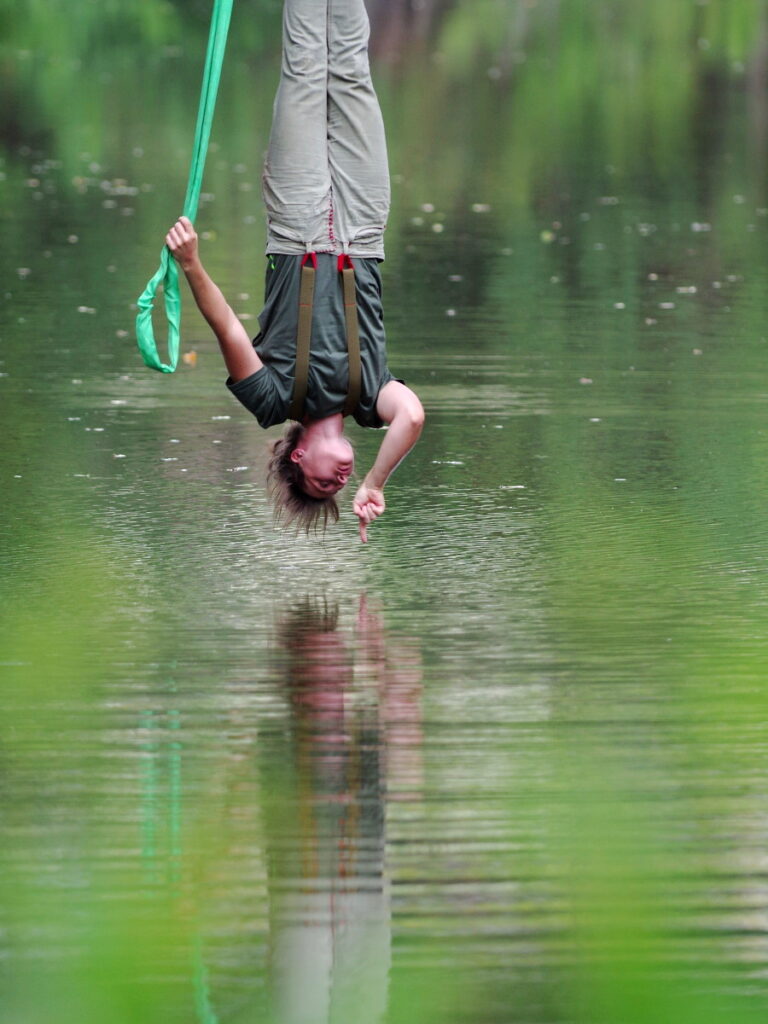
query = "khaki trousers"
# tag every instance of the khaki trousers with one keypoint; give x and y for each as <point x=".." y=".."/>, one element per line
<point x="326" y="177"/>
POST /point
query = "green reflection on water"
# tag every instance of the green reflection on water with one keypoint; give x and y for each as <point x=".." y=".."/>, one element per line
<point x="547" y="748"/>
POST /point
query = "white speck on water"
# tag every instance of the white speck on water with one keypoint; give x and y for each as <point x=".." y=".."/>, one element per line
<point x="666" y="305"/>
<point x="653" y="277"/>
<point x="619" y="305"/>
<point x="17" y="476"/>
<point x="585" y="380"/>
<point x="595" y="419"/>
<point x="118" y="401"/>
<point x="512" y="487"/>
<point x="650" y="321"/>
<point x="450" y="312"/>
<point x="73" y="239"/>
<point x="86" y="309"/>
<point x="221" y="417"/>
<point x="174" y="440"/>
<point x="698" y="351"/>
<point x="456" y="277"/>
<point x="118" y="455"/>
<point x="217" y="442"/>
<point x="243" y="296"/>
<point x="417" y="221"/>
<point x="245" y="316"/>
<point x="700" y="227"/>
<point x="620" y="479"/>
<point x="554" y="279"/>
<point x="438" y="228"/>
<point x="169" y="458"/>
<point x="689" y="289"/>
<point x="76" y="380"/>
<point x="717" y="284"/>
<point x="237" y="469"/>
<point x="98" y="430"/>
<point x="446" y="462"/>
<point x="23" y="272"/>
<point x="121" y="334"/>
<point x="481" y="208"/>
<point x="74" y="419"/>
<point x="427" y="208"/>
<point x="739" y="200"/>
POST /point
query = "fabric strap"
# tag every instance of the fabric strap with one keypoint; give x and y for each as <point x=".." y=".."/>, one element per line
<point x="304" y="336"/>
<point x="167" y="275"/>
<point x="353" y="333"/>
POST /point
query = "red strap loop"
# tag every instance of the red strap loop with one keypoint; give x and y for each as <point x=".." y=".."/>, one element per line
<point x="310" y="257"/>
<point x="345" y="262"/>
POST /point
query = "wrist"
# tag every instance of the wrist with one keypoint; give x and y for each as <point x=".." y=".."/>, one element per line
<point x="374" y="481"/>
<point x="191" y="265"/>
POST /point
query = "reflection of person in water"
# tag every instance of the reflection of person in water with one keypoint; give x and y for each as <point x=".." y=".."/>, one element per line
<point x="329" y="894"/>
<point x="326" y="190"/>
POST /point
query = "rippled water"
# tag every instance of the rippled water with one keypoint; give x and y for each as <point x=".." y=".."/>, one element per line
<point x="507" y="762"/>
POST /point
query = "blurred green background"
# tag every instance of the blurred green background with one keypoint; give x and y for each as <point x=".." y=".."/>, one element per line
<point x="508" y="763"/>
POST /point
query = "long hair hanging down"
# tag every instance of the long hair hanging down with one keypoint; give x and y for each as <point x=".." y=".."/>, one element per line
<point x="285" y="481"/>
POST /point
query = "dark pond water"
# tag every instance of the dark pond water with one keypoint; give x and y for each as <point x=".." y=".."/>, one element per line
<point x="507" y="763"/>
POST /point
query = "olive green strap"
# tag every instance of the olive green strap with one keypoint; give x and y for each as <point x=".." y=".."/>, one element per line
<point x="304" y="336"/>
<point x="353" y="334"/>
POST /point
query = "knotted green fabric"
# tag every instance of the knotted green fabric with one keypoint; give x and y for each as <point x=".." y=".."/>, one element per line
<point x="167" y="274"/>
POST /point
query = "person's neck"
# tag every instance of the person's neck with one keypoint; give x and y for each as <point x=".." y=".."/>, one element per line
<point x="330" y="427"/>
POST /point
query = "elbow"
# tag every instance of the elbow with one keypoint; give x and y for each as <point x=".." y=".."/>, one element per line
<point x="416" y="416"/>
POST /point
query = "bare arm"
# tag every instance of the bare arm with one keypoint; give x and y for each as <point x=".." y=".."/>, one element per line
<point x="239" y="355"/>
<point x="398" y="406"/>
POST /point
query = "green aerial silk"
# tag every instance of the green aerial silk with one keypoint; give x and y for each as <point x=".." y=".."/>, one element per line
<point x="168" y="274"/>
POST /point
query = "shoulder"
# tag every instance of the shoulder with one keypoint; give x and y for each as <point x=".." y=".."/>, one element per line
<point x="260" y="395"/>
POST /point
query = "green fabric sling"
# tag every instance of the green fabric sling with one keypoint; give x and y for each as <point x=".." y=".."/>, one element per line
<point x="168" y="274"/>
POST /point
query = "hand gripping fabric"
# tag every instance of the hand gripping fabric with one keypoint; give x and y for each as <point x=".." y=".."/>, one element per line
<point x="168" y="274"/>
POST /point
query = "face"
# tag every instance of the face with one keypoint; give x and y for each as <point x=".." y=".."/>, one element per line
<point x="326" y="464"/>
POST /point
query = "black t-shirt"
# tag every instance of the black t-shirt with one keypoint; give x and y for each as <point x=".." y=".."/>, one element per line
<point x="268" y="392"/>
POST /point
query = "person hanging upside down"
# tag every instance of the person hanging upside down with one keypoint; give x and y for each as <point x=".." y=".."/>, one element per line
<point x="326" y="192"/>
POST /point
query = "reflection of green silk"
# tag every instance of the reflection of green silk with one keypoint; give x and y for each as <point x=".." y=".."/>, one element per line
<point x="167" y="274"/>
